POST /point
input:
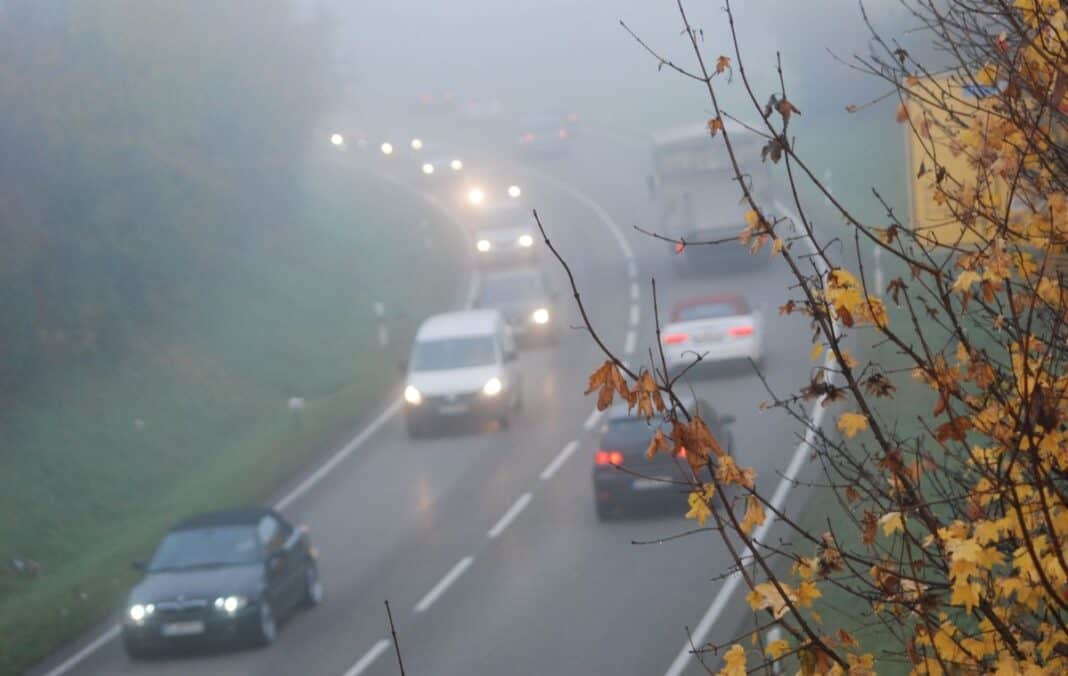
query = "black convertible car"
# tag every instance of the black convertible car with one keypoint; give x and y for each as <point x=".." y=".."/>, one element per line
<point x="222" y="577"/>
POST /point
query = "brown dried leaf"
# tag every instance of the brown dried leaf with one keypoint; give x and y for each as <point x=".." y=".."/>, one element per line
<point x="658" y="444"/>
<point x="715" y="125"/>
<point x="722" y="63"/>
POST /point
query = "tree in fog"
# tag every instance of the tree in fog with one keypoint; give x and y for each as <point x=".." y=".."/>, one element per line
<point x="953" y="535"/>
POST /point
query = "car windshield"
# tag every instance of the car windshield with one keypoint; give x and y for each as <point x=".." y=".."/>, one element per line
<point x="453" y="353"/>
<point x="511" y="288"/>
<point x="710" y="311"/>
<point x="200" y="547"/>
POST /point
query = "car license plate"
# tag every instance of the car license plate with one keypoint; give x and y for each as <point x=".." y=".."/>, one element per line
<point x="183" y="628"/>
<point x="453" y="409"/>
<point x="651" y="484"/>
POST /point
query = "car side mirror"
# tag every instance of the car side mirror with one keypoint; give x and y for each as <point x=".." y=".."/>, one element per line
<point x="727" y="419"/>
<point x="140" y="566"/>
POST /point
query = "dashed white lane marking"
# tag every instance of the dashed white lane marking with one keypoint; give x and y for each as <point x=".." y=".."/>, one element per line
<point x="635" y="314"/>
<point x="631" y="343"/>
<point x="443" y="584"/>
<point x="635" y="292"/>
<point x="778" y="499"/>
<point x="632" y="269"/>
<point x="368" y="658"/>
<point x="591" y="421"/>
<point x="510" y="515"/>
<point x="559" y="460"/>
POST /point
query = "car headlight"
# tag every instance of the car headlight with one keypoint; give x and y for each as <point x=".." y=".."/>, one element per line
<point x="138" y="611"/>
<point x="492" y="387"/>
<point x="540" y="316"/>
<point x="230" y="604"/>
<point x="428" y="168"/>
<point x="412" y="395"/>
<point x="483" y="245"/>
<point x="526" y="241"/>
<point x="456" y="165"/>
<point x="514" y="191"/>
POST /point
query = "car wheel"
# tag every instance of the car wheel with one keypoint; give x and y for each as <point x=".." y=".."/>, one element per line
<point x="313" y="586"/>
<point x="135" y="650"/>
<point x="266" y="629"/>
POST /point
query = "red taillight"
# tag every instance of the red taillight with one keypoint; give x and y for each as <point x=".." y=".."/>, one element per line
<point x="608" y="458"/>
<point x="681" y="453"/>
<point x="572" y="117"/>
<point x="526" y="138"/>
<point x="563" y="133"/>
<point x="739" y="331"/>
<point x="426" y="98"/>
<point x="676" y="338"/>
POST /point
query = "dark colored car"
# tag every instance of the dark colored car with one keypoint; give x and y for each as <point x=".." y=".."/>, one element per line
<point x="221" y="578"/>
<point x="526" y="300"/>
<point x="663" y="481"/>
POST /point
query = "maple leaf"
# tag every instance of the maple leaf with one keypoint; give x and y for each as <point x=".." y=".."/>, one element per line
<point x="787" y="308"/>
<point x="754" y="514"/>
<point x="646" y="396"/>
<point x="734" y="662"/>
<point x="892" y="522"/>
<point x="658" y="444"/>
<point x="766" y="596"/>
<point x="776" y="649"/>
<point x="851" y="423"/>
<point x="956" y="429"/>
<point x="608" y="380"/>
<point x="722" y="64"/>
<point x="699" y="500"/>
<point x="965" y="593"/>
<point x="807" y="592"/>
<point x="786" y="109"/>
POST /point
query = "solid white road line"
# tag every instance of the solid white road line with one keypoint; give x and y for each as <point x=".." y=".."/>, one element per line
<point x="635" y="315"/>
<point x="368" y="658"/>
<point x="443" y="584"/>
<point x="509" y="516"/>
<point x="631" y="343"/>
<point x="635" y="292"/>
<point x="91" y="647"/>
<point x="559" y="460"/>
<point x="339" y="457"/>
<point x="778" y="499"/>
<point x="632" y="269"/>
<point x="591" y="421"/>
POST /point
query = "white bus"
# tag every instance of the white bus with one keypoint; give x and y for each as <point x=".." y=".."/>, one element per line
<point x="697" y="195"/>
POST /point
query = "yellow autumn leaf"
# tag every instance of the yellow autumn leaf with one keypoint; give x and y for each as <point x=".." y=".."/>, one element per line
<point x="765" y="595"/>
<point x="987" y="75"/>
<point x="965" y="593"/>
<point x="776" y="246"/>
<point x="892" y="522"/>
<point x="807" y="592"/>
<point x="851" y="423"/>
<point x="754" y="514"/>
<point x="734" y="662"/>
<point x="817" y="350"/>
<point x="699" y="504"/>
<point x="966" y="279"/>
<point x="776" y="649"/>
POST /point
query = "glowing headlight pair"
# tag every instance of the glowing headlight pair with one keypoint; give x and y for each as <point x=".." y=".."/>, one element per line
<point x="230" y="604"/>
<point x="540" y="316"/>
<point x="484" y="245"/>
<point x="492" y="388"/>
<point x="138" y="611"/>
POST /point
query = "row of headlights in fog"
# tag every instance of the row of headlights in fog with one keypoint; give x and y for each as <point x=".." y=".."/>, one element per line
<point x="139" y="612"/>
<point x="484" y="245"/>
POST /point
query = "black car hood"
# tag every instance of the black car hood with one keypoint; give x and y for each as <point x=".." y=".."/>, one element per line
<point x="199" y="583"/>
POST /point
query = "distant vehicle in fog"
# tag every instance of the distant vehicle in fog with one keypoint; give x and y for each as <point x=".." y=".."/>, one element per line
<point x="464" y="365"/>
<point x="545" y="134"/>
<point x="698" y="198"/>
<point x="440" y="165"/>
<point x="222" y="577"/>
<point x="662" y="482"/>
<point x="482" y="109"/>
<point x="527" y="301"/>
<point x="436" y="102"/>
<point x="719" y="328"/>
<point x="506" y="245"/>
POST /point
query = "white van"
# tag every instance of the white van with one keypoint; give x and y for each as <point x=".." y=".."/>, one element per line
<point x="463" y="365"/>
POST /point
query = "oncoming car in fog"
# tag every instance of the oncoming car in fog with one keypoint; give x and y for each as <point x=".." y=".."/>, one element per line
<point x="718" y="328"/>
<point x="221" y="577"/>
<point x="463" y="365"/>
<point x="661" y="482"/>
<point x="525" y="298"/>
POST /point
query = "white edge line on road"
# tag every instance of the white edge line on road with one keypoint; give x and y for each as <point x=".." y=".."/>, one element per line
<point x="508" y="517"/>
<point x="635" y="314"/>
<point x="315" y="477"/>
<point x="559" y="460"/>
<point x="443" y="584"/>
<point x="778" y="499"/>
<point x="368" y="658"/>
<point x="94" y="645"/>
<point x="631" y="343"/>
<point x="591" y="421"/>
<point x="635" y="292"/>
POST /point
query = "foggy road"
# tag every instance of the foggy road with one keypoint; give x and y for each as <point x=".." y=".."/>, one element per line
<point x="487" y="545"/>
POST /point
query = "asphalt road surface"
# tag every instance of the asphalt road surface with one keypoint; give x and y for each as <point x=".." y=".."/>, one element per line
<point x="485" y="542"/>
